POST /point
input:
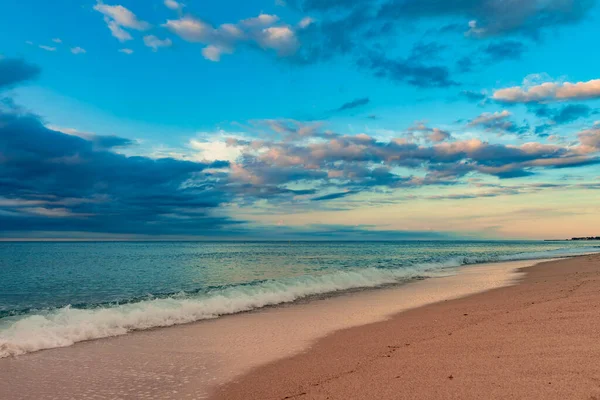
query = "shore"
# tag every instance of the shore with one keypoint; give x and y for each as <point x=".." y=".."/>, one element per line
<point x="342" y="347"/>
<point x="535" y="340"/>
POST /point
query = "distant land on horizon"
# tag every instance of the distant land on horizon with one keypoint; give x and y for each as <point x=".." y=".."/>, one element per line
<point x="574" y="239"/>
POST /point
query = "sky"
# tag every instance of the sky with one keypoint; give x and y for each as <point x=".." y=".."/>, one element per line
<point x="299" y="119"/>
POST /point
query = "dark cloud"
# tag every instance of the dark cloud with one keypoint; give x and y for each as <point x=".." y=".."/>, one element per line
<point x="355" y="232"/>
<point x="328" y="5"/>
<point x="14" y="71"/>
<point x="359" y="27"/>
<point x="465" y="64"/>
<point x="52" y="181"/>
<point x="333" y="196"/>
<point x="565" y="114"/>
<point x="353" y="104"/>
<point x="491" y="54"/>
<point x="473" y="96"/>
<point x="505" y="50"/>
<point x="494" y="17"/>
<point x="559" y="116"/>
<point x="423" y="52"/>
<point x="498" y="122"/>
<point x="406" y="70"/>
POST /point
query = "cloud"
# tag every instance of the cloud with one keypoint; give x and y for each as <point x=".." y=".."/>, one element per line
<point x="305" y="22"/>
<point x="155" y="43"/>
<point x="173" y="5"/>
<point x="505" y="50"/>
<point x="549" y="92"/>
<point x="118" y="17"/>
<point x="498" y="122"/>
<point x="126" y="51"/>
<point x="473" y="96"/>
<point x="490" y="54"/>
<point x="57" y="40"/>
<point x="14" y="71"/>
<point x="213" y="53"/>
<point x="333" y="196"/>
<point x="408" y="71"/>
<point x="331" y="163"/>
<point x="434" y="135"/>
<point x="76" y="182"/>
<point x="363" y="101"/>
<point x="343" y="27"/>
<point x="327" y="5"/>
<point x="490" y="18"/>
<point x="47" y="48"/>
<point x="78" y="50"/>
<point x="118" y="32"/>
<point x="422" y="51"/>
<point x="565" y="114"/>
<point x="103" y="142"/>
<point x="264" y="31"/>
<point x="590" y="139"/>
<point x="559" y="116"/>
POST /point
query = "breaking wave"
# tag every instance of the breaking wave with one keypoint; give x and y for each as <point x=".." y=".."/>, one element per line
<point x="60" y="327"/>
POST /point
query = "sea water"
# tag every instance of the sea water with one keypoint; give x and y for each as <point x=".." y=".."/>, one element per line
<point x="54" y="294"/>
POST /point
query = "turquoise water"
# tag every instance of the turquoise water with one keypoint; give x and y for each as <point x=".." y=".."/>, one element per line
<point x="56" y="294"/>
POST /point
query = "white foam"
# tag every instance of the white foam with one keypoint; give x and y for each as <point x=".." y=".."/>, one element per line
<point x="65" y="326"/>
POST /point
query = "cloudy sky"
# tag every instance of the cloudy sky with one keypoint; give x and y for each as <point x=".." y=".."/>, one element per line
<point x="299" y="119"/>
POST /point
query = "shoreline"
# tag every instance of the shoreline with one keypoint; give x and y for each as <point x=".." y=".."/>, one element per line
<point x="535" y="339"/>
<point x="191" y="360"/>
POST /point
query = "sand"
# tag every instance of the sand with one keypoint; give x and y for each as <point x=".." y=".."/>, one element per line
<point x="539" y="339"/>
<point x="353" y="346"/>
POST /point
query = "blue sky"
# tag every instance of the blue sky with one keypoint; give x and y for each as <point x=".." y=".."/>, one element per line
<point x="350" y="117"/>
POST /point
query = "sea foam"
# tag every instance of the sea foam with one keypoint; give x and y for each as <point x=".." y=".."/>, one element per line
<point x="65" y="326"/>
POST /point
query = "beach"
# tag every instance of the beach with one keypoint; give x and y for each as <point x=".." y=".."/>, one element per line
<point x="497" y="330"/>
<point x="535" y="340"/>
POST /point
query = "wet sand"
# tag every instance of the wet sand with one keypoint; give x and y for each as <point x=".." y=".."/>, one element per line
<point x="539" y="339"/>
<point x="189" y="361"/>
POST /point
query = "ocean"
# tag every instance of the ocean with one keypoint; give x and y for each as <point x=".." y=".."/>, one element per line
<point x="54" y="294"/>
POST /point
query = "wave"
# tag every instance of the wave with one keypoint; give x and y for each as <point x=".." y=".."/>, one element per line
<point x="65" y="326"/>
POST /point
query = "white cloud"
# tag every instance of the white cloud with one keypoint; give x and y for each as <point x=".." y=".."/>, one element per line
<point x="57" y="40"/>
<point x="156" y="43"/>
<point x="126" y="51"/>
<point x="305" y="22"/>
<point x="118" y="17"/>
<point x="173" y="5"/>
<point x="118" y="32"/>
<point x="490" y="117"/>
<point x="265" y="30"/>
<point x="78" y="50"/>
<point x="261" y="20"/>
<point x="280" y="38"/>
<point x="47" y="48"/>
<point x="191" y="29"/>
<point x="549" y="91"/>
<point x="122" y="16"/>
<point x="590" y="139"/>
<point x="212" y="53"/>
<point x="215" y="149"/>
<point x="475" y="30"/>
<point x="29" y="42"/>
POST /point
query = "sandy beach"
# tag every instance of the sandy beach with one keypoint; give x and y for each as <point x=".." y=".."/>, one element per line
<point x="534" y="340"/>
